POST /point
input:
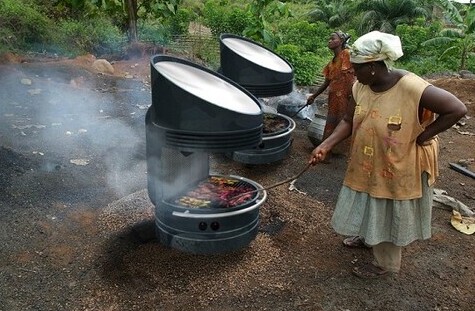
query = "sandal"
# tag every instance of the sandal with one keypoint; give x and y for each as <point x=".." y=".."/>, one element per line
<point x="355" y="242"/>
<point x="369" y="271"/>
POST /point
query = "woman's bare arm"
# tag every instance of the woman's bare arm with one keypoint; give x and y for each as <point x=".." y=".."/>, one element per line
<point x="341" y="132"/>
<point x="448" y="107"/>
<point x="320" y="90"/>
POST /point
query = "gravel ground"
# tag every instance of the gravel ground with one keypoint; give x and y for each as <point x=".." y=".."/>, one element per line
<point x="77" y="225"/>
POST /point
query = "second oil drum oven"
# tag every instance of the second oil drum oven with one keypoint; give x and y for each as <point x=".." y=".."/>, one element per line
<point x="255" y="67"/>
<point x="194" y="112"/>
<point x="264" y="74"/>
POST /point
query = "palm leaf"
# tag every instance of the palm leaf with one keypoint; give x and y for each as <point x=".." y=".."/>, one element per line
<point x="451" y="10"/>
<point x="335" y="20"/>
<point x="452" y="33"/>
<point x="470" y="20"/>
<point x="317" y="14"/>
<point x="386" y="26"/>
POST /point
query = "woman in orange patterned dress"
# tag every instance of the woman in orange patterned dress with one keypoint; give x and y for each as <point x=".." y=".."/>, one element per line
<point x="339" y="77"/>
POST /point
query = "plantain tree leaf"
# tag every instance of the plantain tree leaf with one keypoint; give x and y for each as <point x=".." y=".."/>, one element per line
<point x="438" y="41"/>
<point x="452" y="33"/>
<point x="450" y="10"/>
<point x="450" y="49"/>
<point x="470" y="20"/>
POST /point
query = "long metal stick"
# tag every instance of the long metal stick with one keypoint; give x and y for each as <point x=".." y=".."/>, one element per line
<point x="462" y="170"/>
<point x="274" y="185"/>
<point x="298" y="111"/>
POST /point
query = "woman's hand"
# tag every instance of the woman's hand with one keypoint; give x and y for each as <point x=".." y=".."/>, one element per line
<point x="421" y="141"/>
<point x="311" y="99"/>
<point x="318" y="155"/>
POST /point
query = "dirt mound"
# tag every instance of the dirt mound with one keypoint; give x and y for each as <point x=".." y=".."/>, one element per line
<point x="10" y="58"/>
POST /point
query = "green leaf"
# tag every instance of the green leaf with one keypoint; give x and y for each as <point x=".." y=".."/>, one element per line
<point x="438" y="41"/>
<point x="450" y="49"/>
<point x="451" y="10"/>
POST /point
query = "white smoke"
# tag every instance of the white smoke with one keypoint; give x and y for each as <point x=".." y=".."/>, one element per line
<point x="53" y="114"/>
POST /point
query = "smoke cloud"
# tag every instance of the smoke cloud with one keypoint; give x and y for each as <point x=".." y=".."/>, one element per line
<point x="77" y="118"/>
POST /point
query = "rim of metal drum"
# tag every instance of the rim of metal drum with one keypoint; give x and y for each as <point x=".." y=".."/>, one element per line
<point x="233" y="36"/>
<point x="212" y="141"/>
<point x="289" y="130"/>
<point x="208" y="134"/>
<point x="265" y="91"/>
<point x="224" y="212"/>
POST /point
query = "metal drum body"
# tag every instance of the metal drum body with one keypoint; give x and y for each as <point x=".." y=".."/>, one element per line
<point x="209" y="230"/>
<point x="274" y="147"/>
<point x="196" y="111"/>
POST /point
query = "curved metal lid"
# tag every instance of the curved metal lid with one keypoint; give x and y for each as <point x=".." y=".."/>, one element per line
<point x="207" y="86"/>
<point x="255" y="67"/>
<point x="257" y="54"/>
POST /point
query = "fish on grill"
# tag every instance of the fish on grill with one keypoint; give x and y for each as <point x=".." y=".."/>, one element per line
<point x="217" y="192"/>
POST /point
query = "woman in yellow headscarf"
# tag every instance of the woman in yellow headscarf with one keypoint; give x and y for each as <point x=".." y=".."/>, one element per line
<point x="393" y="119"/>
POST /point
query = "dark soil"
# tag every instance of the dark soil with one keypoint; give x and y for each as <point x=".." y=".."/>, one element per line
<point x="77" y="225"/>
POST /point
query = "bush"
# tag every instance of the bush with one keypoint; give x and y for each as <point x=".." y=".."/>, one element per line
<point x="97" y="36"/>
<point x="306" y="65"/>
<point x="225" y="18"/>
<point x="413" y="36"/>
<point x="178" y="24"/>
<point x="23" y="27"/>
<point x="308" y="36"/>
<point x="422" y="60"/>
<point x="424" y="65"/>
<point x="153" y="31"/>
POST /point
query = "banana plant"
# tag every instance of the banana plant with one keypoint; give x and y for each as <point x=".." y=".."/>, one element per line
<point x="458" y="34"/>
<point x="261" y="28"/>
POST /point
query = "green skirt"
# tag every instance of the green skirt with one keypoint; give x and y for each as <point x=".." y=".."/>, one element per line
<point x="384" y="220"/>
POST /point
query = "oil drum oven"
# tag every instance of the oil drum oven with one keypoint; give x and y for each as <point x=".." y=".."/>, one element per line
<point x="194" y="112"/>
<point x="264" y="74"/>
<point x="255" y="67"/>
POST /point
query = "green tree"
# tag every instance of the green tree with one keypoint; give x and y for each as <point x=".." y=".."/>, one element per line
<point x="385" y="15"/>
<point x="306" y="64"/>
<point x="261" y="27"/>
<point x="225" y="17"/>
<point x="335" y="13"/>
<point x="307" y="36"/>
<point x="22" y="26"/>
<point x="125" y="12"/>
<point x="412" y="37"/>
<point x="458" y="37"/>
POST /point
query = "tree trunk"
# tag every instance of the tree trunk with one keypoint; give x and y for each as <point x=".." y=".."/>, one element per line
<point x="131" y="6"/>
<point x="464" y="58"/>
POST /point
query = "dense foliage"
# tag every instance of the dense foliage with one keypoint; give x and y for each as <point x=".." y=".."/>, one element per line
<point x="437" y="35"/>
<point x="23" y="26"/>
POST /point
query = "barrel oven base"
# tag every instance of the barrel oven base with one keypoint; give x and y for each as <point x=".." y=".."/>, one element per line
<point x="261" y="156"/>
<point x="191" y="242"/>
